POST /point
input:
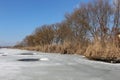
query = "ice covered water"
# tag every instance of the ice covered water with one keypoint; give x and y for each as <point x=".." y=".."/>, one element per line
<point x="54" y="67"/>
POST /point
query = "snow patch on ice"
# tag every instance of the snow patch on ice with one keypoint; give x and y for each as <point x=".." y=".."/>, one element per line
<point x="44" y="59"/>
<point x="12" y="51"/>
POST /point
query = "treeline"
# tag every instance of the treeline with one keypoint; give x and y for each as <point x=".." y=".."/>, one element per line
<point x="92" y="29"/>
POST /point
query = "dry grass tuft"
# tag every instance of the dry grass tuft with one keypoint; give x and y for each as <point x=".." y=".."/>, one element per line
<point x="109" y="52"/>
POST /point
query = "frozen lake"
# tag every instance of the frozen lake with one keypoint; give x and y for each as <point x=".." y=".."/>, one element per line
<point x="53" y="67"/>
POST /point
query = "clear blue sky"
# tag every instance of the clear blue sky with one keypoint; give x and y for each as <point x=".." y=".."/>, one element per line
<point x="19" y="18"/>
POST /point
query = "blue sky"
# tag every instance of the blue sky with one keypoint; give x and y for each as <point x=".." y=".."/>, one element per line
<point x="19" y="18"/>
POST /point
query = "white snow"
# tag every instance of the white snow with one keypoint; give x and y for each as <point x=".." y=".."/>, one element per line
<point x="44" y="59"/>
<point x="54" y="67"/>
<point x="12" y="51"/>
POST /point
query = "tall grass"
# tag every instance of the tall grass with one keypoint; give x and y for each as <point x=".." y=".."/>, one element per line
<point x="109" y="52"/>
<point x="95" y="51"/>
<point x="65" y="48"/>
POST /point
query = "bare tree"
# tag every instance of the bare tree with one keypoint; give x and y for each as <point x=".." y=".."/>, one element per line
<point x="44" y="34"/>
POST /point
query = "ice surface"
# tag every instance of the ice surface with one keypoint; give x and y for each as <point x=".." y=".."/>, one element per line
<point x="54" y="67"/>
